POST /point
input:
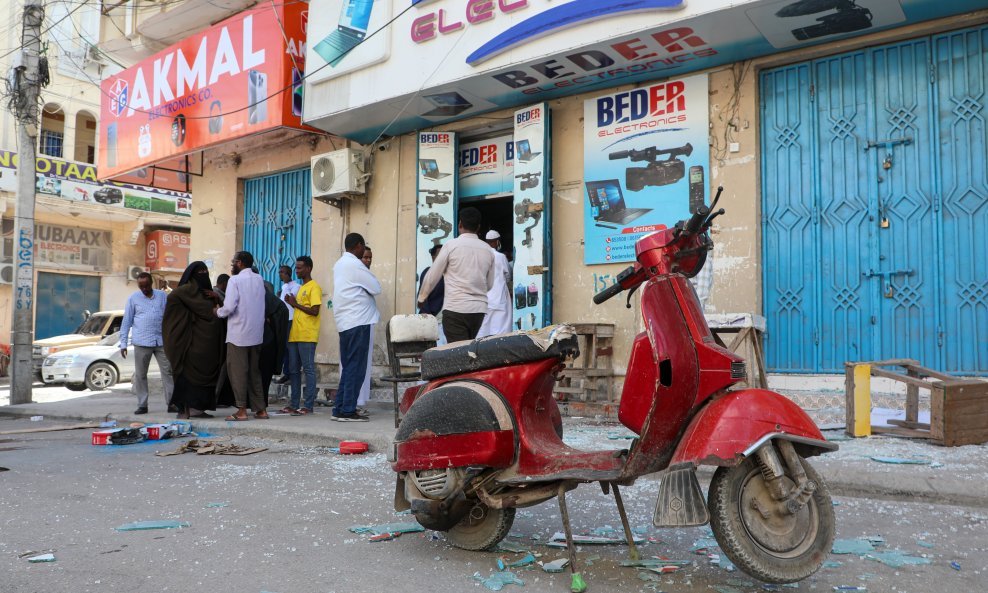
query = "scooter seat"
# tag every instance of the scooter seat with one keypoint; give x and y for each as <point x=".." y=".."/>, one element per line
<point x="556" y="341"/>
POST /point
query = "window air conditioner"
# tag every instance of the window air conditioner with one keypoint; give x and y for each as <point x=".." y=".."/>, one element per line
<point x="337" y="175"/>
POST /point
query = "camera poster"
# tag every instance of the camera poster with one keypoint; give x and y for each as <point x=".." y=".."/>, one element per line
<point x="436" y="207"/>
<point x="646" y="161"/>
<point x="530" y="302"/>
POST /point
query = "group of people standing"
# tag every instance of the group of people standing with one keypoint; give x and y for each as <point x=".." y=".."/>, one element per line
<point x="220" y="346"/>
<point x="472" y="278"/>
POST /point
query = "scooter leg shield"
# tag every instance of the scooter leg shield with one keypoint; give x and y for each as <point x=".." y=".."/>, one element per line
<point x="459" y="424"/>
<point x="732" y="426"/>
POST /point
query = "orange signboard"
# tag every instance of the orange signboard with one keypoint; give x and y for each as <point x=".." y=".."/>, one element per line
<point x="235" y="79"/>
<point x="167" y="251"/>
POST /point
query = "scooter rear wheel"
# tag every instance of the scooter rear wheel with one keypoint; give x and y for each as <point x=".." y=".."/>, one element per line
<point x="482" y="528"/>
<point x="779" y="548"/>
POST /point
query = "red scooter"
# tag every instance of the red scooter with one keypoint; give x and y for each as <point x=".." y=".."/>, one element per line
<point x="483" y="436"/>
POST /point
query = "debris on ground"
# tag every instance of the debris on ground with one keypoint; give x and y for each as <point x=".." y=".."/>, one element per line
<point x="558" y="540"/>
<point x="955" y="565"/>
<point x="211" y="447"/>
<point x="901" y="460"/>
<point x="37" y="418"/>
<point x="146" y="525"/>
<point x="510" y="546"/>
<point x="49" y="557"/>
<point x="497" y="580"/>
<point x="850" y="588"/>
<point x="526" y="560"/>
<point x="556" y="565"/>
<point x="217" y="505"/>
<point x="577" y="584"/>
<point x="852" y="546"/>
<point x="387" y="528"/>
<point x="896" y="558"/>
<point x="924" y="544"/>
<point x="117" y="436"/>
<point x="384" y="537"/>
<point x="655" y="563"/>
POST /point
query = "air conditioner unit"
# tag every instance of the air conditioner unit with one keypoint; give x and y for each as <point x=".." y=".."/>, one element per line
<point x="337" y="175"/>
<point x="6" y="273"/>
<point x="133" y="271"/>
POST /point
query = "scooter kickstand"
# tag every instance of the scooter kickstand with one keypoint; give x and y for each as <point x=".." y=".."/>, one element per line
<point x="632" y="548"/>
<point x="578" y="585"/>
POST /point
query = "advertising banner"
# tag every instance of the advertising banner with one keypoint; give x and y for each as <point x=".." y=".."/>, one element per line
<point x="167" y="251"/>
<point x="487" y="167"/>
<point x="532" y="305"/>
<point x="436" y="209"/>
<point x="645" y="160"/>
<point x="444" y="60"/>
<point x="237" y="78"/>
<point x="76" y="182"/>
<point x="63" y="247"/>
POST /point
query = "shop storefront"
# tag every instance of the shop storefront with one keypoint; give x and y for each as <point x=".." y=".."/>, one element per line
<point x="90" y="240"/>
<point x="577" y="127"/>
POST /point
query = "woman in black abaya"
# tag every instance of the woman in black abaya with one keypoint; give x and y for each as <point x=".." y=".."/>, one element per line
<point x="194" y="342"/>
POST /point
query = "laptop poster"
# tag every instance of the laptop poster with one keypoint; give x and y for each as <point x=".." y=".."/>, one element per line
<point x="646" y="159"/>
<point x="436" y="207"/>
<point x="531" y="303"/>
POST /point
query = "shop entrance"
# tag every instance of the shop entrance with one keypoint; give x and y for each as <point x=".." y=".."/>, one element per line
<point x="278" y="220"/>
<point x="62" y="302"/>
<point x="874" y="189"/>
<point x="497" y="213"/>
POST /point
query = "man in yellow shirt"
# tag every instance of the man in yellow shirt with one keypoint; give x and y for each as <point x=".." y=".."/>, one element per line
<point x="303" y="337"/>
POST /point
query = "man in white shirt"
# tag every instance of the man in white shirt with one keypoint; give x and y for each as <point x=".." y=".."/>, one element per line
<point x="243" y="308"/>
<point x="498" y="317"/>
<point x="288" y="287"/>
<point x="354" y="289"/>
<point x="466" y="264"/>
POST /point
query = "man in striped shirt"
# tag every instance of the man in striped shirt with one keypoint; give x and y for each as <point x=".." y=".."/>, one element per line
<point x="142" y="328"/>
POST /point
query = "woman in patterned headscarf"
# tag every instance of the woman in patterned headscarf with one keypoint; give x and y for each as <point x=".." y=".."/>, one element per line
<point x="194" y="342"/>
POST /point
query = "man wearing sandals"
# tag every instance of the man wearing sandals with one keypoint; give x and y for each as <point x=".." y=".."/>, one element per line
<point x="303" y="337"/>
<point x="243" y="309"/>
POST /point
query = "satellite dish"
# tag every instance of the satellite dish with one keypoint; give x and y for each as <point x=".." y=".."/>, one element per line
<point x="323" y="174"/>
<point x="808" y="7"/>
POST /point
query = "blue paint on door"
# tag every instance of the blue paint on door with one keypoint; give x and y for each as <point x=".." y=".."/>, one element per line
<point x="278" y="221"/>
<point x="875" y="198"/>
<point x="62" y="300"/>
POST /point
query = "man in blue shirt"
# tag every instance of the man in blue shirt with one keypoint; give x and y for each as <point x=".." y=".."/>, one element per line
<point x="142" y="328"/>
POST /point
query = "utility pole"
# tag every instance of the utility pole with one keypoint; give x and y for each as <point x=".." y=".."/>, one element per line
<point x="27" y="86"/>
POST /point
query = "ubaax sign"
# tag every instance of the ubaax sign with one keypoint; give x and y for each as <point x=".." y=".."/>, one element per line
<point x="234" y="79"/>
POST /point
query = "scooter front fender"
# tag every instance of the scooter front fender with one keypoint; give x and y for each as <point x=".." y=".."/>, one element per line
<point x="733" y="426"/>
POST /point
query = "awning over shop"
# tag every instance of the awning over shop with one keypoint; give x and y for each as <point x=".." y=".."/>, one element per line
<point x="238" y="78"/>
<point x="445" y="60"/>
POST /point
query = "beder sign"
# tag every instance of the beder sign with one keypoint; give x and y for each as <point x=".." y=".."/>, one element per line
<point x="235" y="79"/>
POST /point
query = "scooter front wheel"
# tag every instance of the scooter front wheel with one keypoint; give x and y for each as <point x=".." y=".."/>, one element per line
<point x="482" y="528"/>
<point x="759" y="535"/>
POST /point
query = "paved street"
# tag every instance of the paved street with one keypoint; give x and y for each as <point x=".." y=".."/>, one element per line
<point x="285" y="527"/>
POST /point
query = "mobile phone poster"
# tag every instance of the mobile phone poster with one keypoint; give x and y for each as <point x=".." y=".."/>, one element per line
<point x="645" y="157"/>
<point x="436" y="206"/>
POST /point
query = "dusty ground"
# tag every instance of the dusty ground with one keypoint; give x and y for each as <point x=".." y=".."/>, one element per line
<point x="285" y="528"/>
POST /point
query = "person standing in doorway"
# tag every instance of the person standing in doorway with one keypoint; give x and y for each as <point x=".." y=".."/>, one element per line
<point x="467" y="265"/>
<point x="354" y="289"/>
<point x="288" y="287"/>
<point x="498" y="318"/>
<point x="364" y="396"/>
<point x="142" y="318"/>
<point x="243" y="308"/>
<point x="303" y="337"/>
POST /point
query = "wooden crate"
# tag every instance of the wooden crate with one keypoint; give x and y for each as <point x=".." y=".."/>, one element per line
<point x="958" y="407"/>
<point x="589" y="378"/>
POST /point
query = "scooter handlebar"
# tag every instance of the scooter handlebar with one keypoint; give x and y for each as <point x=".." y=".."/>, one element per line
<point x="607" y="293"/>
<point x="624" y="281"/>
<point x="695" y="223"/>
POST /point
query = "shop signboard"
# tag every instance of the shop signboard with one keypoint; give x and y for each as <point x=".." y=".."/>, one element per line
<point x="77" y="182"/>
<point x="529" y="297"/>
<point x="444" y="60"/>
<point x="487" y="167"/>
<point x="645" y="160"/>
<point x="436" y="207"/>
<point x="167" y="251"/>
<point x="63" y="247"/>
<point x="235" y="79"/>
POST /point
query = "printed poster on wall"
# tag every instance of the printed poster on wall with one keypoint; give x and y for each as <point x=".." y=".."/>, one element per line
<point x="532" y="306"/>
<point x="645" y="162"/>
<point x="487" y="167"/>
<point x="436" y="207"/>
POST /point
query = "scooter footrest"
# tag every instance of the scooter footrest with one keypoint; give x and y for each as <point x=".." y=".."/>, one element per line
<point x="680" y="502"/>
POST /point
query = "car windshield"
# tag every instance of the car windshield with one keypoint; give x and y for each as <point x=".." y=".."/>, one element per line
<point x="92" y="326"/>
<point x="110" y="340"/>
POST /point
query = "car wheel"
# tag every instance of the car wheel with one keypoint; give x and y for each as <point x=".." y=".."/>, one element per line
<point x="76" y="386"/>
<point x="101" y="376"/>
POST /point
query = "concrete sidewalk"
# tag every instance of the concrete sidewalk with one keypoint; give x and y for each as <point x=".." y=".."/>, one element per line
<point x="955" y="475"/>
